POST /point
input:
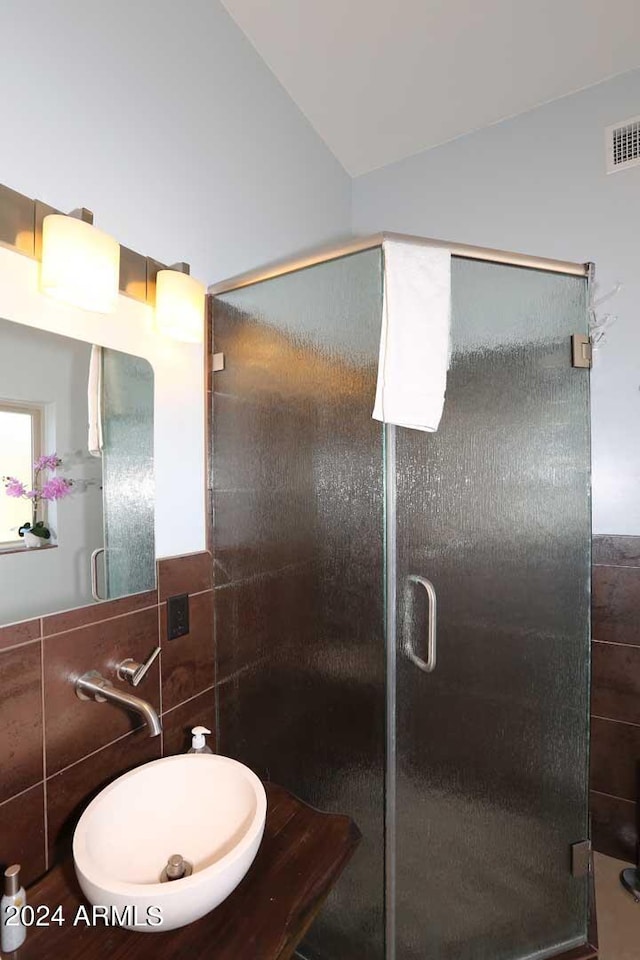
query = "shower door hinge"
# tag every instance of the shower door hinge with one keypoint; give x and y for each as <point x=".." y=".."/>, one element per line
<point x="580" y="858"/>
<point x="217" y="362"/>
<point x="581" y="351"/>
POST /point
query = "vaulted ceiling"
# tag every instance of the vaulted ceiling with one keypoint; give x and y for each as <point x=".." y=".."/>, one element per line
<point x="380" y="81"/>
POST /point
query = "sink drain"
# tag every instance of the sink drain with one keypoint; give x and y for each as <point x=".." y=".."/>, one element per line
<point x="177" y="868"/>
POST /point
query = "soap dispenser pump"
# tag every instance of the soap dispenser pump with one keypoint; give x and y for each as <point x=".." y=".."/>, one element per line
<point x="198" y="743"/>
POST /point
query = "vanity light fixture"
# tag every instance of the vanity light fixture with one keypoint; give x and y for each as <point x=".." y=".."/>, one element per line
<point x="80" y="264"/>
<point x="180" y="304"/>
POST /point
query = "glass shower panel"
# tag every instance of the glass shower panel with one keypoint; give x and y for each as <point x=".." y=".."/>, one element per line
<point x="298" y="501"/>
<point x="491" y="746"/>
<point x="127" y="474"/>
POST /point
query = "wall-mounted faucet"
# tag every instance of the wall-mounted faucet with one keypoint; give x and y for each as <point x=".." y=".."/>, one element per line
<point x="93" y="686"/>
<point x="134" y="672"/>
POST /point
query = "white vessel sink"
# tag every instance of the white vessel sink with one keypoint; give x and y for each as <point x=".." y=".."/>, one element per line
<point x="208" y="808"/>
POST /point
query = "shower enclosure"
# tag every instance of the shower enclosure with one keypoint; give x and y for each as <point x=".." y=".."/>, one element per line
<point x="402" y="618"/>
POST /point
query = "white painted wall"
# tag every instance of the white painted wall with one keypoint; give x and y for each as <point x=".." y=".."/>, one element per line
<point x="179" y="393"/>
<point x="537" y="184"/>
<point x="160" y="117"/>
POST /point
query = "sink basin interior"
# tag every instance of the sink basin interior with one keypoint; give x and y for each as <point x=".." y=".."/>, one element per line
<point x="167" y="808"/>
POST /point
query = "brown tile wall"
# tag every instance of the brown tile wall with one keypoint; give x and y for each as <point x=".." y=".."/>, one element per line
<point x="56" y="751"/>
<point x="615" y="696"/>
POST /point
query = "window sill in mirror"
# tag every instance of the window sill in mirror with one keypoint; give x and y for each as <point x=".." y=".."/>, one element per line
<point x="20" y="548"/>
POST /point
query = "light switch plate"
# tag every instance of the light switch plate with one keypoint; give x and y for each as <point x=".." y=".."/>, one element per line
<point x="177" y="616"/>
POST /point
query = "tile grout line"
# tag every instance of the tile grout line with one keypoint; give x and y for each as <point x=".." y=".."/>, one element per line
<point x="216" y="691"/>
<point x="204" y="552"/>
<point x="627" y="723"/>
<point x="44" y="755"/>
<point x="263" y="575"/>
<point x="617" y="643"/>
<point x="190" y="699"/>
<point x="198" y="593"/>
<point x="15" y="796"/>
<point x="41" y="639"/>
<point x="94" y="623"/>
<point x="23" y="643"/>
<point x="81" y="626"/>
<point x="159" y="639"/>
<point x="241" y="670"/>
<point x="612" y="796"/>
<point x="94" y="752"/>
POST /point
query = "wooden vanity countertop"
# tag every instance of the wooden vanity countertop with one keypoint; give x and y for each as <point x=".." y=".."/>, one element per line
<point x="302" y="855"/>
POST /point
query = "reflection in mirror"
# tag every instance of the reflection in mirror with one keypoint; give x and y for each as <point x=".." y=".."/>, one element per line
<point x="127" y="473"/>
<point x="76" y="462"/>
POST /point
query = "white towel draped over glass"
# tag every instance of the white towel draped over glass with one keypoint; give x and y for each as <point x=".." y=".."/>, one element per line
<point x="94" y="398"/>
<point x="415" y="337"/>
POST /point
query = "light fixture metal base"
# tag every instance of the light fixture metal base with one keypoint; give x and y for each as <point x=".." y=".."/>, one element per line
<point x="81" y="213"/>
<point x="181" y="267"/>
<point x="21" y="220"/>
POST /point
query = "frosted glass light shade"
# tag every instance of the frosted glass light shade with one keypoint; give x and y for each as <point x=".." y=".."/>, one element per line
<point x="179" y="306"/>
<point x="80" y="264"/>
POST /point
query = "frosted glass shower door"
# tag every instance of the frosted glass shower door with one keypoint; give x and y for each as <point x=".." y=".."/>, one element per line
<point x="493" y="509"/>
<point x="298" y="497"/>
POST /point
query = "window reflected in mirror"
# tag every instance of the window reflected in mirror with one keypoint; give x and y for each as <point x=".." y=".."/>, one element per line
<point x="21" y="445"/>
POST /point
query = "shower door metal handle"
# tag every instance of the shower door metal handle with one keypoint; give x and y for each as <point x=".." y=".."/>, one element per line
<point x="94" y="574"/>
<point x="429" y="664"/>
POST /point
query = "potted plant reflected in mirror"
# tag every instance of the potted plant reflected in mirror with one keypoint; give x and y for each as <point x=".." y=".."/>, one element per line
<point x="45" y="488"/>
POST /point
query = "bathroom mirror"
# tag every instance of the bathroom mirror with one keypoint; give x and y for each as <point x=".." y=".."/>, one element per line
<point x="76" y="473"/>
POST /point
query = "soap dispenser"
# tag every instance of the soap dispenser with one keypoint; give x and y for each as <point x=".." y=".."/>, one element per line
<point x="199" y="744"/>
<point x="13" y="933"/>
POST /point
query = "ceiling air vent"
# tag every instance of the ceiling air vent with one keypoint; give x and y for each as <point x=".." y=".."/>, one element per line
<point x="623" y="145"/>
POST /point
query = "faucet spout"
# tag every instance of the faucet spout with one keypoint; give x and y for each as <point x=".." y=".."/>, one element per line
<point x="93" y="686"/>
